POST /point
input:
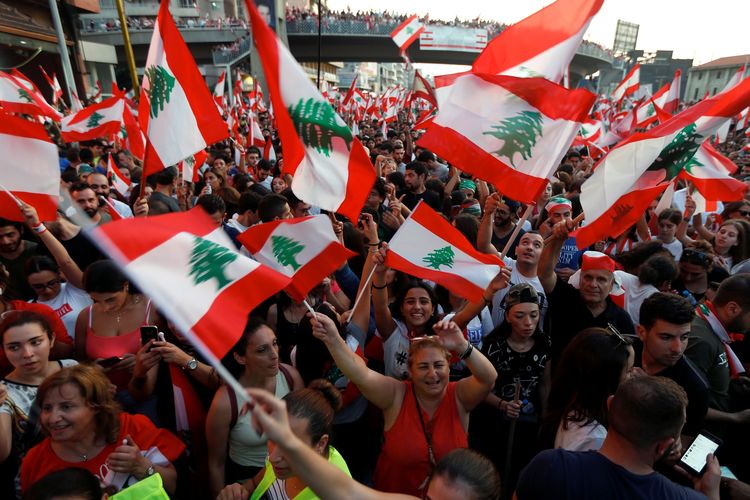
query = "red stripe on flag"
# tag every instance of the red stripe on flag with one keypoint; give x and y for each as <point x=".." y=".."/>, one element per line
<point x="46" y="206"/>
<point x="235" y="302"/>
<point x="12" y="125"/>
<point x="313" y="273"/>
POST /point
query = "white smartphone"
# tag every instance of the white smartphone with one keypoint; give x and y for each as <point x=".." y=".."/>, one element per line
<point x="694" y="459"/>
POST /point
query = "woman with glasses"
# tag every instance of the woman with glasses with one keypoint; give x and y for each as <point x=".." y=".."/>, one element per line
<point x="425" y="417"/>
<point x="590" y="369"/>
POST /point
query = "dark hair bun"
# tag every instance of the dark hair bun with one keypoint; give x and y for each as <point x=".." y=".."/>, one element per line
<point x="331" y="394"/>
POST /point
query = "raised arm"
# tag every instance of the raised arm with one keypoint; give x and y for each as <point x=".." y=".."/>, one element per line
<point x="383" y="319"/>
<point x="472" y="390"/>
<point x="484" y="236"/>
<point x="471" y="309"/>
<point x="550" y="255"/>
<point x="380" y="390"/>
<point x="641" y="228"/>
<point x="361" y="316"/>
<point x="70" y="269"/>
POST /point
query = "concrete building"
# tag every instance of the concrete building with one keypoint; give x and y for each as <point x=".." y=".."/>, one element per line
<point x="713" y="76"/>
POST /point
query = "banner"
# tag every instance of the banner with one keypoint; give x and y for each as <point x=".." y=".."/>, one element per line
<point x="453" y="38"/>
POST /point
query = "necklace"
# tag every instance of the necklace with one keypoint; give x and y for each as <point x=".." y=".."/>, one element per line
<point x="118" y="315"/>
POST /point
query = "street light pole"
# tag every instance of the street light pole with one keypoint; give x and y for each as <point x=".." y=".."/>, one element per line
<point x="62" y="47"/>
<point x="128" y="47"/>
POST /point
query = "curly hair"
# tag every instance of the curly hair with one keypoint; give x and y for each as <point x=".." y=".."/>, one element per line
<point x="95" y="389"/>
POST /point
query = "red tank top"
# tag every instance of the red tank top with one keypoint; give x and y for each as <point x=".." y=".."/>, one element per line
<point x="403" y="463"/>
<point x="98" y="346"/>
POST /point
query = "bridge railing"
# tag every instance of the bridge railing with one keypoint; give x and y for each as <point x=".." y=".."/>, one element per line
<point x="226" y="55"/>
<point x="309" y="26"/>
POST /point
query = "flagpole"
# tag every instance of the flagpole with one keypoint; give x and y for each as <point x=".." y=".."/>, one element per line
<point x="516" y="230"/>
<point x="320" y="39"/>
<point x="127" y="46"/>
<point x="64" y="56"/>
<point x="361" y="293"/>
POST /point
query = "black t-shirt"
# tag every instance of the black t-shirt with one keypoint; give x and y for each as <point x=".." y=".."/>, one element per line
<point x="82" y="250"/>
<point x="690" y="378"/>
<point x="563" y="475"/>
<point x="568" y="315"/>
<point x="430" y="197"/>
<point x="19" y="286"/>
<point x="500" y="243"/>
<point x="170" y="202"/>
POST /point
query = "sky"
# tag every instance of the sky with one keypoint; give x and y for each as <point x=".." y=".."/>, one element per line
<point x="695" y="29"/>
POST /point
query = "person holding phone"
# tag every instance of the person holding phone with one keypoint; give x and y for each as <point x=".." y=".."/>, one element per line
<point x="646" y="416"/>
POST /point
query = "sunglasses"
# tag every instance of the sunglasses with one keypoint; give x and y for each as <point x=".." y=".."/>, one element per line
<point x="40" y="287"/>
<point x="695" y="257"/>
<point x="624" y="339"/>
<point x="432" y="339"/>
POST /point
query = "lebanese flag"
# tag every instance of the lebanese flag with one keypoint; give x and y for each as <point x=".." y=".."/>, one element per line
<point x="190" y="166"/>
<point x="350" y="92"/>
<point x="19" y="95"/>
<point x="254" y="133"/>
<point x="429" y="247"/>
<point x="176" y="111"/>
<point x="669" y="101"/>
<point x="29" y="168"/>
<point x="735" y="80"/>
<point x="645" y="114"/>
<point x="423" y="90"/>
<point x="711" y="173"/>
<point x="133" y="134"/>
<point x="189" y="267"/>
<point x="742" y="119"/>
<point x="98" y="120"/>
<point x="509" y="131"/>
<point x="98" y="94"/>
<point x="111" y="209"/>
<point x="331" y="168"/>
<point x="120" y="183"/>
<point x="541" y="45"/>
<point x="629" y="84"/>
<point x="219" y="90"/>
<point x="305" y="249"/>
<point x="407" y="33"/>
<point x="640" y="168"/>
<point x="54" y="85"/>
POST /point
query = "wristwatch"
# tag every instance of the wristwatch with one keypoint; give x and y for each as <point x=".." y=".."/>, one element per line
<point x="191" y="365"/>
<point x="150" y="471"/>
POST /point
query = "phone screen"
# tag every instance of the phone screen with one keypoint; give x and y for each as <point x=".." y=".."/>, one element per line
<point x="148" y="333"/>
<point x="695" y="456"/>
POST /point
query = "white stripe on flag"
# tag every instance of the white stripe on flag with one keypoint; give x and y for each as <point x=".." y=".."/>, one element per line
<point x="27" y="165"/>
<point x="316" y="233"/>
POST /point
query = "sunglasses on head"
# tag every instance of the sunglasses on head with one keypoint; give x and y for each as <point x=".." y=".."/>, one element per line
<point x="624" y="339"/>
<point x="695" y="257"/>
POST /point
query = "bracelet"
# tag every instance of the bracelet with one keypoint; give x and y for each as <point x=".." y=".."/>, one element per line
<point x="374" y="244"/>
<point x="39" y="228"/>
<point x="467" y="352"/>
<point x="376" y="287"/>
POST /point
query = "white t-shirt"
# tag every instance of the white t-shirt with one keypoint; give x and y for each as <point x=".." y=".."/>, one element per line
<point x="579" y="437"/>
<point x="498" y="301"/>
<point x="635" y="293"/>
<point x="68" y="303"/>
<point x="396" y="352"/>
<point x="235" y="224"/>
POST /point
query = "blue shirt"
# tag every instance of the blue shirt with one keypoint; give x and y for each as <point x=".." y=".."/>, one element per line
<point x="570" y="255"/>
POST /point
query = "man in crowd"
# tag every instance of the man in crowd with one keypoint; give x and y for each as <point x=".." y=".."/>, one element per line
<point x="100" y="185"/>
<point x="247" y="212"/>
<point x="273" y="207"/>
<point x="298" y="207"/>
<point x="435" y="169"/>
<point x="559" y="209"/>
<point x="503" y="225"/>
<point x="398" y="155"/>
<point x="217" y="210"/>
<point x="663" y="331"/>
<point x="88" y="201"/>
<point x="415" y="177"/>
<point x="571" y="309"/>
<point x="164" y="189"/>
<point x="264" y="174"/>
<point x="14" y="251"/>
<point x="645" y="416"/>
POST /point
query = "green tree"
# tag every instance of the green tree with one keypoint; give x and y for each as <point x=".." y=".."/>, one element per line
<point x="650" y="111"/>
<point x="94" y="120"/>
<point x="316" y="123"/>
<point x="123" y="132"/>
<point x="208" y="260"/>
<point x="676" y="155"/>
<point x="24" y="94"/>
<point x="693" y="163"/>
<point x="440" y="257"/>
<point x="161" y="85"/>
<point x="519" y="134"/>
<point x="285" y="250"/>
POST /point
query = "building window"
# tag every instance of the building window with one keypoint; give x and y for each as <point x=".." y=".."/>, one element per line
<point x="715" y="90"/>
<point x="718" y="75"/>
<point x="695" y="94"/>
<point x="700" y="75"/>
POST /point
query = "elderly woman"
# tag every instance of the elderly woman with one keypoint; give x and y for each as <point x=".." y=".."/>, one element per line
<point x="427" y="411"/>
<point x="85" y="428"/>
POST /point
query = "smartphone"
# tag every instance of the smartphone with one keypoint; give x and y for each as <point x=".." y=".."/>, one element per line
<point x="694" y="459"/>
<point x="149" y="332"/>
<point x="108" y="362"/>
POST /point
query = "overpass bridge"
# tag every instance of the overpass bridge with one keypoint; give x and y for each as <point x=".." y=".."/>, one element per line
<point x="341" y="41"/>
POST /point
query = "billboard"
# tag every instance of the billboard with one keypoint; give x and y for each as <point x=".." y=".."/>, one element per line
<point x="626" y="37"/>
<point x="453" y="38"/>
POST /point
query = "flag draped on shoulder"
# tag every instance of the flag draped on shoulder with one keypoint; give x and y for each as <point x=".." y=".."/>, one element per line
<point x="641" y="167"/>
<point x="29" y="168"/>
<point x="509" y="131"/>
<point x="98" y="120"/>
<point x="429" y="247"/>
<point x="407" y="33"/>
<point x="190" y="268"/>
<point x="304" y="249"/>
<point x="330" y="166"/>
<point x="176" y="109"/>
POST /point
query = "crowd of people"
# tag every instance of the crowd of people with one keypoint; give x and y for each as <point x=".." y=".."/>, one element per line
<point x="579" y="374"/>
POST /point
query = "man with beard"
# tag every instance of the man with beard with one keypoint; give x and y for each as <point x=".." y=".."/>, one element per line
<point x="503" y="223"/>
<point x="717" y="323"/>
<point x="100" y="184"/>
<point x="415" y="178"/>
<point x="88" y="201"/>
<point x="14" y="252"/>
